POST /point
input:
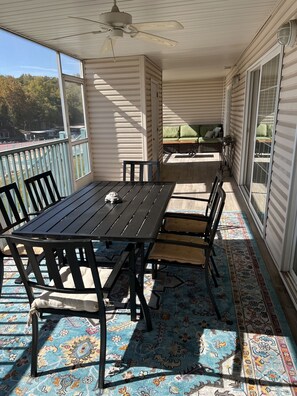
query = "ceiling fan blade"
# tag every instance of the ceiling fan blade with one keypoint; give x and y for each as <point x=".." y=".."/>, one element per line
<point x="74" y="35"/>
<point x="159" y="25"/>
<point x="154" y="39"/>
<point x="104" y="25"/>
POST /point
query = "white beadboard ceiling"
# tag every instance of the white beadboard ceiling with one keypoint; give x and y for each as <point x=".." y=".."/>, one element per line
<point x="215" y="32"/>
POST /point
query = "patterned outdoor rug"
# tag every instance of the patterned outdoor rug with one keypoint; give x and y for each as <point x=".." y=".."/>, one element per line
<point x="188" y="352"/>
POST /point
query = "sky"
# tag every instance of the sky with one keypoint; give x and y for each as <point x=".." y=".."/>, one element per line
<point x="20" y="56"/>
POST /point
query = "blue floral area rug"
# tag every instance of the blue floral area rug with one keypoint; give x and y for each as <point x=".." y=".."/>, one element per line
<point x="249" y="352"/>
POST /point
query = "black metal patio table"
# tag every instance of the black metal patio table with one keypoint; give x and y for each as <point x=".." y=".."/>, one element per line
<point x="85" y="214"/>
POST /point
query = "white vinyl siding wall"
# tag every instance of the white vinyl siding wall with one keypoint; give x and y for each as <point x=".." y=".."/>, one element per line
<point x="186" y="102"/>
<point x="117" y="96"/>
<point x="282" y="164"/>
<point x="283" y="160"/>
<point x="114" y="114"/>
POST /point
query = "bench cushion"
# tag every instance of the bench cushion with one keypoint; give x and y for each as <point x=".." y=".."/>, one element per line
<point x="170" y="132"/>
<point x="194" y="134"/>
<point x="261" y="130"/>
<point x="189" y="131"/>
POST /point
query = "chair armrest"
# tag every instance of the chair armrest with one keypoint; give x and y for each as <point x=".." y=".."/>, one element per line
<point x="189" y="198"/>
<point x="190" y="216"/>
<point x="34" y="213"/>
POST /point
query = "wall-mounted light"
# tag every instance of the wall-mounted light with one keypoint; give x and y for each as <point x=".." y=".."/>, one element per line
<point x="286" y="34"/>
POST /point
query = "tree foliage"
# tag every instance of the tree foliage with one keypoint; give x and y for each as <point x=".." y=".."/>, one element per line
<point x="31" y="103"/>
<point x="13" y="103"/>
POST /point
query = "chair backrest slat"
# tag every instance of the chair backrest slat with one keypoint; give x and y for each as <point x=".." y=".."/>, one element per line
<point x="52" y="263"/>
<point x="217" y="210"/>
<point x="12" y="208"/>
<point x="76" y="258"/>
<point x="40" y="193"/>
<point x="42" y="190"/>
<point x="47" y="274"/>
<point x="218" y="181"/>
<point x="136" y="171"/>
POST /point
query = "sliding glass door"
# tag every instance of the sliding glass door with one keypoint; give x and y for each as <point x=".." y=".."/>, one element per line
<point x="263" y="97"/>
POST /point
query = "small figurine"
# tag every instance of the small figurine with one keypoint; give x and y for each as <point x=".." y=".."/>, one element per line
<point x="113" y="197"/>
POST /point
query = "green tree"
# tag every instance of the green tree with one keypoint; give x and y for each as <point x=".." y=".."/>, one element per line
<point x="13" y="103"/>
<point x="33" y="103"/>
<point x="43" y="96"/>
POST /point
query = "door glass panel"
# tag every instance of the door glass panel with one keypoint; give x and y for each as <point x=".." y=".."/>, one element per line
<point x="263" y="87"/>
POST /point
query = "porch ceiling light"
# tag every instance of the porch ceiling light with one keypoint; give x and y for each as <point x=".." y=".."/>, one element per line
<point x="286" y="34"/>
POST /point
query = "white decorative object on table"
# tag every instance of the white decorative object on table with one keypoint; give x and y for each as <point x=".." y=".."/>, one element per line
<point x="113" y="197"/>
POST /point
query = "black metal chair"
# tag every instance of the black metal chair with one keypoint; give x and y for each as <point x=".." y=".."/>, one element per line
<point x="192" y="223"/>
<point x="77" y="288"/>
<point x="13" y="214"/>
<point x="43" y="191"/>
<point x="187" y="250"/>
<point x="141" y="171"/>
<point x="195" y="224"/>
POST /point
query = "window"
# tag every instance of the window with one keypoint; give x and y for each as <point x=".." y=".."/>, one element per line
<point x="75" y="106"/>
<point x="76" y="130"/>
<point x="70" y="66"/>
<point x="30" y="101"/>
<point x="42" y="99"/>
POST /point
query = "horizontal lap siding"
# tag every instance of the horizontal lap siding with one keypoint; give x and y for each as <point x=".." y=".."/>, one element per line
<point x="283" y="156"/>
<point x="114" y="114"/>
<point x="285" y="127"/>
<point x="186" y="102"/>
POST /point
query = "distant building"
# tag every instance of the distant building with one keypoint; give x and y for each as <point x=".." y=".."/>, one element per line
<point x="42" y="135"/>
<point x="11" y="135"/>
<point x="77" y="131"/>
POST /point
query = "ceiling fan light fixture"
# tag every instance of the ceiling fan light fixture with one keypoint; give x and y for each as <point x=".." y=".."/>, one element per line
<point x="115" y="33"/>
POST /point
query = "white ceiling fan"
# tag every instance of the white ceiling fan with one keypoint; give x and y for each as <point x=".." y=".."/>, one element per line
<point x="117" y="24"/>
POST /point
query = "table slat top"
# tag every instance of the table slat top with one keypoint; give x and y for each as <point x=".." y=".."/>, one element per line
<point x="85" y="214"/>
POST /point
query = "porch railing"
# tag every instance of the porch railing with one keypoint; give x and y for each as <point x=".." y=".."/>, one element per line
<point x="20" y="163"/>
